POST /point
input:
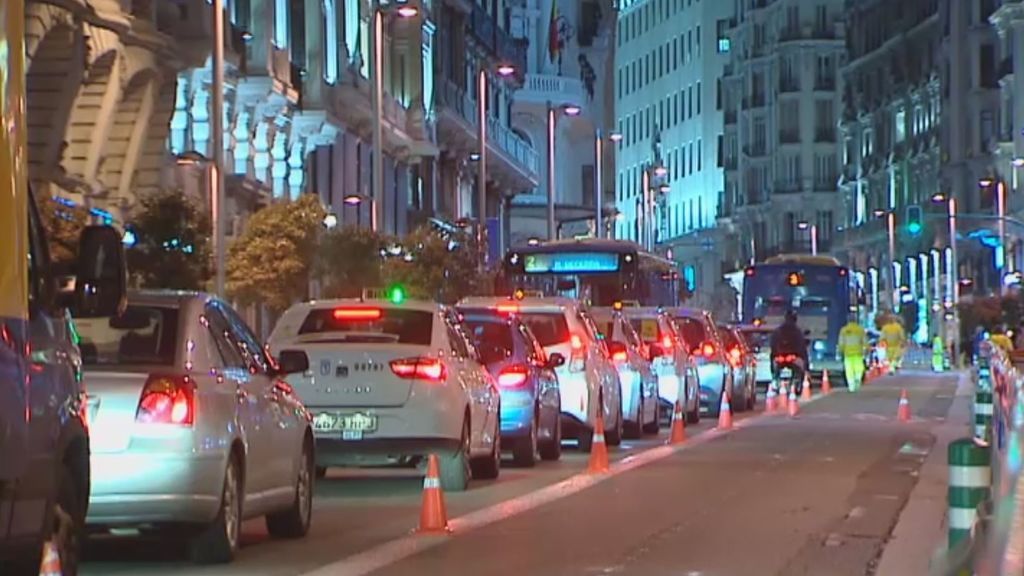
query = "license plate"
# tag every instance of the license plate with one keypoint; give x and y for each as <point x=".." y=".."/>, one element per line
<point x="351" y="426"/>
<point x="786" y="373"/>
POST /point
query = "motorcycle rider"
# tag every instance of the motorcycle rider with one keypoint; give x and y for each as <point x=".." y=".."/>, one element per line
<point x="788" y="338"/>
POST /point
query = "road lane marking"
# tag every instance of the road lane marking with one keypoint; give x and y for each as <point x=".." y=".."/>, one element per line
<point x="394" y="551"/>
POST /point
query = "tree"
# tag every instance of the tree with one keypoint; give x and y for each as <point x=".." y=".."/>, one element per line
<point x="272" y="261"/>
<point x="350" y="260"/>
<point x="436" y="266"/>
<point x="63" y="223"/>
<point x="172" y="243"/>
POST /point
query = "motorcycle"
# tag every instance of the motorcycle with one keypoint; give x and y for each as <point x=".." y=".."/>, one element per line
<point x="789" y="372"/>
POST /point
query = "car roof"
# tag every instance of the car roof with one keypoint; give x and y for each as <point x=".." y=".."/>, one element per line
<point x="690" y="313"/>
<point x="166" y="297"/>
<point x="643" y="312"/>
<point x="530" y="303"/>
<point x="419" y="305"/>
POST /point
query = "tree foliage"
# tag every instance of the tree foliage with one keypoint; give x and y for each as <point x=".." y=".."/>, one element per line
<point x="172" y="243"/>
<point x="63" y="226"/>
<point x="436" y="266"/>
<point x="272" y="261"/>
<point x="350" y="260"/>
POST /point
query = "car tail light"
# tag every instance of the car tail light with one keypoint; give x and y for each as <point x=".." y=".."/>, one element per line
<point x="577" y="360"/>
<point x="706" y="350"/>
<point x="167" y="400"/>
<point x="735" y="356"/>
<point x="666" y="342"/>
<point x="785" y="358"/>
<point x="577" y="342"/>
<point x="355" y="314"/>
<point x="507" y="309"/>
<point x="420" y="368"/>
<point x="513" y="376"/>
<point x="617" y="350"/>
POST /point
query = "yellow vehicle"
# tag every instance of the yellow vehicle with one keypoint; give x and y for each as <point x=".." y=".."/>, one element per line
<point x="44" y="443"/>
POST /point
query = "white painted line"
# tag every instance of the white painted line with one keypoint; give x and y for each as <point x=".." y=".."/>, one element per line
<point x="393" y="551"/>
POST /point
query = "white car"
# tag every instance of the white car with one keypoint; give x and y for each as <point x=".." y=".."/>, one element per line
<point x="637" y="374"/>
<point x="391" y="383"/>
<point x="759" y="341"/>
<point x="588" y="381"/>
<point x="670" y="359"/>
<point x="699" y="332"/>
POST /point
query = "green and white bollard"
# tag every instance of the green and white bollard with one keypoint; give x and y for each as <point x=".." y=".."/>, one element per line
<point x="983" y="415"/>
<point x="970" y="481"/>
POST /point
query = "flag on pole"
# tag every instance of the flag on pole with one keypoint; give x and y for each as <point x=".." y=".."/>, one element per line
<point x="553" y="47"/>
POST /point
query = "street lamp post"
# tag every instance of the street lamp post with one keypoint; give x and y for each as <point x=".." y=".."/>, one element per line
<point x="598" y="166"/>
<point x="813" y="231"/>
<point x="377" y="99"/>
<point x="891" y="226"/>
<point x="954" y="281"/>
<point x="553" y="112"/>
<point x="217" y="141"/>
<point x="482" y="98"/>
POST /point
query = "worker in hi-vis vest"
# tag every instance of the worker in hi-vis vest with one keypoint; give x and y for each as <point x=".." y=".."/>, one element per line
<point x="895" y="342"/>
<point x="938" y="350"/>
<point x="853" y="342"/>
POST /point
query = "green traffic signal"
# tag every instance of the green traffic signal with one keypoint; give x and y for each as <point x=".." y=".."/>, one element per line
<point x="396" y="294"/>
<point x="914" y="220"/>
<point x="914" y="227"/>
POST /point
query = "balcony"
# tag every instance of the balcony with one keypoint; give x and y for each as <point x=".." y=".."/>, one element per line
<point x="789" y="136"/>
<point x="825" y="84"/>
<point x="787" y="187"/>
<point x="541" y="89"/>
<point x="788" y="85"/>
<point x="755" y="150"/>
<point x="825" y="135"/>
<point x="834" y="31"/>
<point x="457" y="129"/>
<point x="496" y="41"/>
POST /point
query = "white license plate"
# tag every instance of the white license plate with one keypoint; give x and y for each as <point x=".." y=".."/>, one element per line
<point x="351" y="426"/>
<point x="786" y="373"/>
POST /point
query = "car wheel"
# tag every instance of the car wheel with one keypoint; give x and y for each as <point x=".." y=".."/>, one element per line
<point x="488" y="467"/>
<point x="524" y="453"/>
<point x="552" y="449"/>
<point x="613" y="436"/>
<point x="218" y="542"/>
<point x="454" y="468"/>
<point x="294" y="522"/>
<point x="634" y="429"/>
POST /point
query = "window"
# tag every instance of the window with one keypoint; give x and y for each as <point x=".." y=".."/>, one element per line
<point x="281" y="23"/>
<point x="900" y="124"/>
<point x="792" y="21"/>
<point x="821" y="18"/>
<point x="824" y="121"/>
<point x="698" y="96"/>
<point x="723" y="45"/>
<point x="331" y="43"/>
<point x="789" y="121"/>
<point x="691" y="158"/>
<point x="689" y="103"/>
<point x="700" y="154"/>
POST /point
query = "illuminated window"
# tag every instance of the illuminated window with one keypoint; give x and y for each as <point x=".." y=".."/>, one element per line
<point x="281" y="23"/>
<point x="330" y="42"/>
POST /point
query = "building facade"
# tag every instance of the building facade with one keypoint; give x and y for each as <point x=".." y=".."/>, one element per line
<point x="669" y="180"/>
<point x="1008" y="19"/>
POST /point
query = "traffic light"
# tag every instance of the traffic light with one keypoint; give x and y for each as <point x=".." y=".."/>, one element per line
<point x="915" y="222"/>
<point x="396" y="294"/>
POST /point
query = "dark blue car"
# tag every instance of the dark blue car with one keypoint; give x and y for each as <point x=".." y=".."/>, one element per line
<point x="530" y="400"/>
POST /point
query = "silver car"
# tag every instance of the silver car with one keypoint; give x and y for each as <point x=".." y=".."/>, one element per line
<point x="191" y="423"/>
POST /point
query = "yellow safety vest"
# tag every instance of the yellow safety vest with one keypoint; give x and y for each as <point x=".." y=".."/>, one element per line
<point x="852" y="340"/>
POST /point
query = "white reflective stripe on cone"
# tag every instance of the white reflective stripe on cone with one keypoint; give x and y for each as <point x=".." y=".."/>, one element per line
<point x="431" y="483"/>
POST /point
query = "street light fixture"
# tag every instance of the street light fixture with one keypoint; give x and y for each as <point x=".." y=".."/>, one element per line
<point x="503" y="70"/>
<point x="377" y="54"/>
<point x="553" y="113"/>
<point x="985" y="182"/>
<point x="353" y="199"/>
<point x="573" y="110"/>
<point x="660" y="171"/>
<point x="615" y="136"/>
<point x="330" y="220"/>
<point x="938" y="198"/>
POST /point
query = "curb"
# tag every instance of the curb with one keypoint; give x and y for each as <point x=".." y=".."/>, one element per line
<point x="920" y="531"/>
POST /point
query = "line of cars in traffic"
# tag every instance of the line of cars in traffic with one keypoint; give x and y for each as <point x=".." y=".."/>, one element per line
<point x="196" y="425"/>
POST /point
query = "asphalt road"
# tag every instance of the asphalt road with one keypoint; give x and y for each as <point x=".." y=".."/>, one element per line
<point x="818" y="494"/>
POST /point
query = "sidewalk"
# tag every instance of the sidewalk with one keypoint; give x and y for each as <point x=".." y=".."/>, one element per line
<point x="920" y="532"/>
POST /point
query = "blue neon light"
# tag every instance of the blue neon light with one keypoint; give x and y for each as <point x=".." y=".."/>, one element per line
<point x="581" y="262"/>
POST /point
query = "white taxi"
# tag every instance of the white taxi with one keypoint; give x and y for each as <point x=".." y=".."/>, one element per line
<point x="390" y="382"/>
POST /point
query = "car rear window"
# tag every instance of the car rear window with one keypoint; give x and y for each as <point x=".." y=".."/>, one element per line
<point x="492" y="337"/>
<point x="728" y="337"/>
<point x="368" y="325"/>
<point x="692" y="330"/>
<point x="550" y="328"/>
<point x="649" y="329"/>
<point x="143" y="335"/>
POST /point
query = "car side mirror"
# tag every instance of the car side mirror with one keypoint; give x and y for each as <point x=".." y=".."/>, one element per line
<point x="555" y="360"/>
<point x="101" y="280"/>
<point x="292" y="361"/>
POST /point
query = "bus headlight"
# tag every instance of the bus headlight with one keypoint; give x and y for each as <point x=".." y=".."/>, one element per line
<point x="819" y="346"/>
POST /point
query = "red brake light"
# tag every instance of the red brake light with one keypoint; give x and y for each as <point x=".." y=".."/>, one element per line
<point x="167" y="400"/>
<point x="708" y="349"/>
<point x="421" y="368"/>
<point x="666" y="342"/>
<point x="513" y="376"/>
<point x="619" y="356"/>
<point x="507" y="308"/>
<point x="357" y="313"/>
<point x="735" y="356"/>
<point x="577" y="342"/>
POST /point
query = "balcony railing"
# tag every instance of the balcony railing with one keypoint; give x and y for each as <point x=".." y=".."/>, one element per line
<point x="551" y="88"/>
<point x="502" y="46"/>
<point x="789" y="136"/>
<point x="825" y="135"/>
<point x="825" y="84"/>
<point x="787" y="85"/>
<point x="499" y="136"/>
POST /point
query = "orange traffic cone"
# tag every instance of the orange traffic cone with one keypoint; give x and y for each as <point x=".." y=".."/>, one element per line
<point x="50" y="565"/>
<point x="598" y="450"/>
<point x="783" y="397"/>
<point x="433" y="514"/>
<point x="826" y="386"/>
<point x="903" y="412"/>
<point x="678" y="435"/>
<point x="806" y="393"/>
<point x="769" y="399"/>
<point x="725" y="412"/>
<point x="794" y="403"/>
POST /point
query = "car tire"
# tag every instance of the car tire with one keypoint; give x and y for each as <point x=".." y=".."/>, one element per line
<point x="634" y="430"/>
<point x="295" y="520"/>
<point x="489" y="467"/>
<point x="217" y="543"/>
<point x="613" y="436"/>
<point x="552" y="449"/>
<point x="524" y="452"/>
<point x="454" y="468"/>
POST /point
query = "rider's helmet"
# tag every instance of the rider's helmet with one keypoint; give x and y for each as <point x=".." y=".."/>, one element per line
<point x="791" y="316"/>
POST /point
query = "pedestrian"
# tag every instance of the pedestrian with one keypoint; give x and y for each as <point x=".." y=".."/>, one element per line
<point x="853" y="342"/>
<point x="895" y="341"/>
<point x="938" y="362"/>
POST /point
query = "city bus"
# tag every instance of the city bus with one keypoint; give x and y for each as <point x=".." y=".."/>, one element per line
<point x="818" y="288"/>
<point x="596" y="271"/>
<point x="44" y="439"/>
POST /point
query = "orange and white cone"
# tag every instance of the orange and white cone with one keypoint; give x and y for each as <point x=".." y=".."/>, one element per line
<point x="826" y="386"/>
<point x="783" y="398"/>
<point x="903" y="412"/>
<point x="806" y="393"/>
<point x="433" y="513"/>
<point x="769" y="399"/>
<point x="50" y="565"/>
<point x="794" y="403"/>
<point x="725" y="412"/>
<point x="678" y="435"/>
<point x="598" y="451"/>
